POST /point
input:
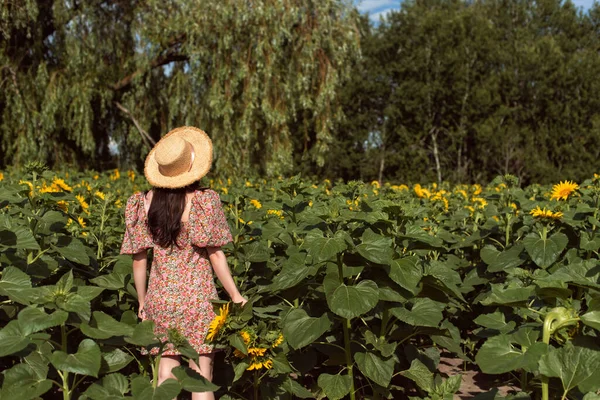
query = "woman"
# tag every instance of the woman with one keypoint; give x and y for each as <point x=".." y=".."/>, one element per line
<point x="185" y="226"/>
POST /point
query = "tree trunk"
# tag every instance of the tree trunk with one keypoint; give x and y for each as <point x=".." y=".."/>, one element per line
<point x="436" y="155"/>
<point x="381" y="165"/>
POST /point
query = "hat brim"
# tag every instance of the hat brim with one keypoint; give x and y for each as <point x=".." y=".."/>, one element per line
<point x="203" y="153"/>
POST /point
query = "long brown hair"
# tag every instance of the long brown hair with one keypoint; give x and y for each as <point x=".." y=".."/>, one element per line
<point x="164" y="215"/>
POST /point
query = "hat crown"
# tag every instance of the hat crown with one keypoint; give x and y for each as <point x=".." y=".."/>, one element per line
<point x="173" y="156"/>
<point x="180" y="158"/>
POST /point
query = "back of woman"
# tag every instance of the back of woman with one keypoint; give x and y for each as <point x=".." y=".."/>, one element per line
<point x="185" y="227"/>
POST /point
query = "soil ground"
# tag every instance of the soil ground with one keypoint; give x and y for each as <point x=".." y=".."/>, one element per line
<point x="473" y="380"/>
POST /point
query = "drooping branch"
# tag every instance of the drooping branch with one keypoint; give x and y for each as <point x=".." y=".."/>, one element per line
<point x="148" y="141"/>
<point x="157" y="62"/>
<point x="170" y="56"/>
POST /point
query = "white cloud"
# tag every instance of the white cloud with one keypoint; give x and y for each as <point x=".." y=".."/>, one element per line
<point x="371" y="6"/>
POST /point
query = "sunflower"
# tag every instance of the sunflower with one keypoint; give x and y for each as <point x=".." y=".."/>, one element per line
<point x="245" y="336"/>
<point x="63" y="205"/>
<point x="278" y="341"/>
<point x="463" y="193"/>
<point x="421" y="192"/>
<point x="256" y="351"/>
<point x="49" y="189"/>
<point x="238" y="354"/>
<point x="480" y="200"/>
<point x="543" y="213"/>
<point x="115" y="175"/>
<point x="22" y="182"/>
<point x="268" y="364"/>
<point x="84" y="185"/>
<point x="256" y="203"/>
<point x="255" y="365"/>
<point x="439" y="196"/>
<point x="278" y="213"/>
<point x="399" y="188"/>
<point x="60" y="183"/>
<point x="446" y="204"/>
<point x="218" y="322"/>
<point x="563" y="190"/>
<point x="100" y="195"/>
<point x="353" y="205"/>
<point x="84" y="204"/>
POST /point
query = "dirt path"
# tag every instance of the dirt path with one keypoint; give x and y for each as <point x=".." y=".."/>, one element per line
<point x="474" y="381"/>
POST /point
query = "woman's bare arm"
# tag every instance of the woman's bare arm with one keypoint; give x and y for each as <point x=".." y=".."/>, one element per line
<point x="219" y="264"/>
<point x="140" y="263"/>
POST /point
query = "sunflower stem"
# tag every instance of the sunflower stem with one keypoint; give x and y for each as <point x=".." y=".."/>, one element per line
<point x="555" y="320"/>
<point x="346" y="323"/>
<point x="544" y="232"/>
<point x="589" y="252"/>
<point x="100" y="239"/>
<point x="155" y="372"/>
<point x="255" y="384"/>
<point x="349" y="356"/>
<point x="64" y="375"/>
<point x="384" y="321"/>
<point x="507" y="233"/>
<point x="523" y="378"/>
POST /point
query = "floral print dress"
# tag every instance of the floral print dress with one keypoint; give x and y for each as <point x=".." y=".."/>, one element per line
<point x="181" y="284"/>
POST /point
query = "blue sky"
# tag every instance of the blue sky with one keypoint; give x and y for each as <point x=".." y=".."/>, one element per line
<point x="377" y="8"/>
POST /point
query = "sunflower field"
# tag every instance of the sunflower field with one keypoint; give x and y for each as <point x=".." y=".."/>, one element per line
<point x="356" y="290"/>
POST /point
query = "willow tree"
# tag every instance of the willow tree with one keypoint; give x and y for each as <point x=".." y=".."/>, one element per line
<point x="261" y="77"/>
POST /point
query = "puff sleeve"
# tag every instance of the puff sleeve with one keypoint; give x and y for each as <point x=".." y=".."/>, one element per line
<point x="207" y="221"/>
<point x="137" y="238"/>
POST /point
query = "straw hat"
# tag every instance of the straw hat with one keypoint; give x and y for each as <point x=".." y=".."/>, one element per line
<point x="180" y="158"/>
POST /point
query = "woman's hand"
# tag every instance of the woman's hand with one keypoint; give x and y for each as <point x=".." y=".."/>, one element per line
<point x="140" y="262"/>
<point x="239" y="299"/>
<point x="219" y="264"/>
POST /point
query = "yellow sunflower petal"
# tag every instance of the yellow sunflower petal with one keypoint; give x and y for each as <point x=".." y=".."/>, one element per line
<point x="563" y="190"/>
<point x="218" y="322"/>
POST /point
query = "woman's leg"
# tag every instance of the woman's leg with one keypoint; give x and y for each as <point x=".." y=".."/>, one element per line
<point x="204" y="368"/>
<point x="166" y="364"/>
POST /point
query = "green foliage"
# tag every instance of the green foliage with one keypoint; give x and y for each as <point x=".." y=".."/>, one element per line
<point x="260" y="77"/>
<point x="367" y="283"/>
<point x="462" y="91"/>
<point x="441" y="90"/>
<point x="334" y="386"/>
